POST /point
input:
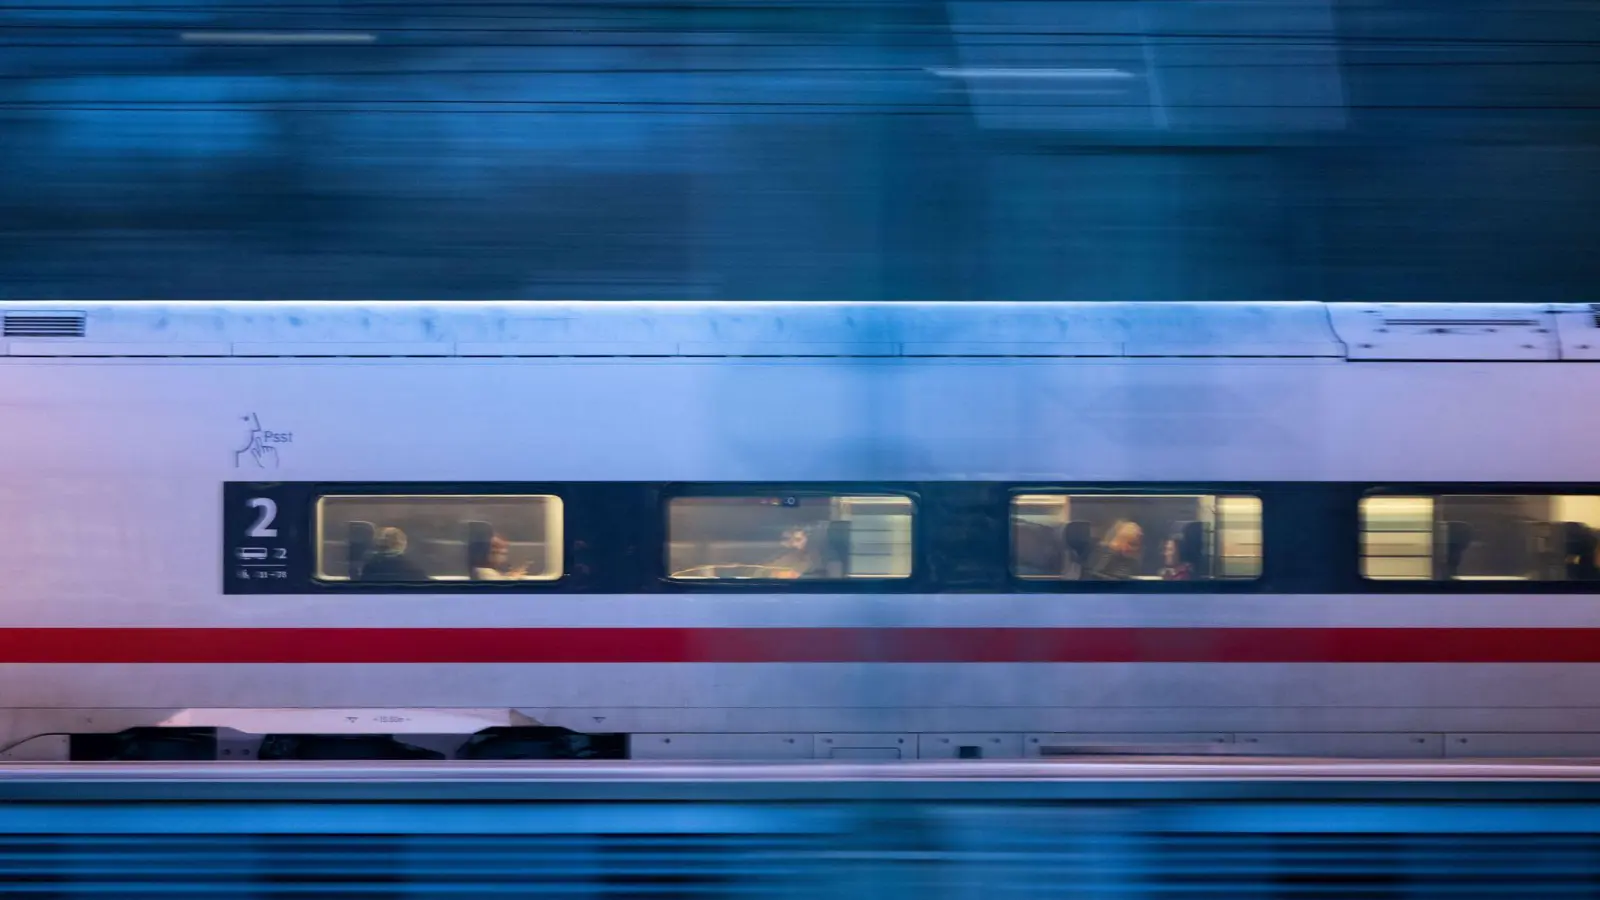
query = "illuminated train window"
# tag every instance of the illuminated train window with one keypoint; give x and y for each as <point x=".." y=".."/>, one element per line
<point x="423" y="539"/>
<point x="1480" y="537"/>
<point x="1135" y="537"/>
<point x="808" y="537"/>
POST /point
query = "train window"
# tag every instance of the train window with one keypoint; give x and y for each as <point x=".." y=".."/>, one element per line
<point x="1480" y="537"/>
<point x="808" y="537"/>
<point x="423" y="538"/>
<point x="1142" y="537"/>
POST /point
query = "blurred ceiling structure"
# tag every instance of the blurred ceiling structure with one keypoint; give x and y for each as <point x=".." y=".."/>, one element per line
<point x="833" y="149"/>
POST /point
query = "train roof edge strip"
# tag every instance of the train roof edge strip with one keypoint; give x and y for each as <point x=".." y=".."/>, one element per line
<point x="801" y="330"/>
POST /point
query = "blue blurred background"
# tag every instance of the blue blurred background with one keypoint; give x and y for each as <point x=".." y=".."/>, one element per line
<point x="838" y="149"/>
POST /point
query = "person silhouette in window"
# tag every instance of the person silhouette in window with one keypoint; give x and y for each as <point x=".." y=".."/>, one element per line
<point x="389" y="561"/>
<point x="798" y="559"/>
<point x="496" y="564"/>
<point x="1173" y="566"/>
<point x="1117" y="558"/>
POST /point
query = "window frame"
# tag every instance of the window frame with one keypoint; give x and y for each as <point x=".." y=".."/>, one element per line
<point x="1435" y="490"/>
<point x="1261" y="583"/>
<point x="561" y="584"/>
<point x="913" y="582"/>
<point x="614" y="538"/>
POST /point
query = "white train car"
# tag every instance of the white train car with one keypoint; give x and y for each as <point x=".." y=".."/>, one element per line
<point x="764" y="530"/>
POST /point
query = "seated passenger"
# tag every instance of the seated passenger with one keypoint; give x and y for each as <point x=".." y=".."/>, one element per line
<point x="1117" y="558"/>
<point x="1076" y="540"/>
<point x="1037" y="546"/>
<point x="496" y="565"/>
<point x="389" y="561"/>
<point x="797" y="559"/>
<point x="1173" y="566"/>
<point x="1583" y="553"/>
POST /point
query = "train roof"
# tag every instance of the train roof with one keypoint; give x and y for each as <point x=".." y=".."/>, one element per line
<point x="1353" y="331"/>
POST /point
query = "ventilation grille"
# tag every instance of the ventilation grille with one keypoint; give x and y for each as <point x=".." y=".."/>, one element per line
<point x="58" y="325"/>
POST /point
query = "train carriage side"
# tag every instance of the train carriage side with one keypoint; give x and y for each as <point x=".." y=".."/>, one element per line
<point x="194" y="495"/>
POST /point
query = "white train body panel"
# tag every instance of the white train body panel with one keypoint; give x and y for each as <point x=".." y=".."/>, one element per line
<point x="112" y="462"/>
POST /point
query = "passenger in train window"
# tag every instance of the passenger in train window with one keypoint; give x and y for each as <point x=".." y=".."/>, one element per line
<point x="811" y="537"/>
<point x="1481" y="537"/>
<point x="439" y="538"/>
<point x="798" y="558"/>
<point x="389" y="561"/>
<point x="1099" y="537"/>
<point x="1173" y="566"/>
<point x="1117" y="558"/>
<point x="1583" y="560"/>
<point x="1073" y="552"/>
<point x="496" y="563"/>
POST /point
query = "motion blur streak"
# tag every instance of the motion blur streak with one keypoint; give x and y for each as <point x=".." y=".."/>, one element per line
<point x="1126" y="830"/>
<point x="843" y="149"/>
<point x="234" y="37"/>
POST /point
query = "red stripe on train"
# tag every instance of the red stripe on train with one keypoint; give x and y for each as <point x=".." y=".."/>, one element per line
<point x="799" y="645"/>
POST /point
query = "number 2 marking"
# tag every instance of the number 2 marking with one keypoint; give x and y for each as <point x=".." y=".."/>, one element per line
<point x="263" y="526"/>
